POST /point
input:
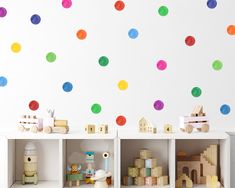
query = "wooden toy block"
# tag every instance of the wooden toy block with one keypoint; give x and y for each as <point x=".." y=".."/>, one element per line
<point x="61" y="130"/>
<point x="139" y="163"/>
<point x="151" y="181"/>
<point x="103" y="129"/>
<point x="198" y="111"/>
<point x="167" y="128"/>
<point x="128" y="180"/>
<point x="90" y="129"/>
<point x="150" y="163"/>
<point x="146" y="127"/>
<point x="145" y="154"/>
<point x="133" y="172"/>
<point x="211" y="181"/>
<point x="61" y="123"/>
<point x="156" y="172"/>
<point x="145" y="172"/>
<point x="186" y="179"/>
<point x="162" y="180"/>
<point x="139" y="181"/>
<point x="154" y="130"/>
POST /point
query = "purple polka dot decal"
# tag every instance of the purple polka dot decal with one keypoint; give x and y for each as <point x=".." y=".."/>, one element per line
<point x="161" y="65"/>
<point x="3" y="12"/>
<point x="158" y="105"/>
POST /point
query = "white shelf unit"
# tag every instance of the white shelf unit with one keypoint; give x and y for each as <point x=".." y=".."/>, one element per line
<point x="53" y="156"/>
<point x="166" y="145"/>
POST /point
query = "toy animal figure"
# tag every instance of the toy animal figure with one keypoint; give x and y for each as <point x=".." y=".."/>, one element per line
<point x="100" y="178"/>
<point x="89" y="172"/>
<point x="30" y="165"/>
<point x="74" y="174"/>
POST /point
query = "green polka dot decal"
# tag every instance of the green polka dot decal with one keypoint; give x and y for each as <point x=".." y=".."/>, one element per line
<point x="96" y="108"/>
<point x="103" y="61"/>
<point x="163" y="11"/>
<point x="196" y="92"/>
<point x="217" y="65"/>
<point x="51" y="57"/>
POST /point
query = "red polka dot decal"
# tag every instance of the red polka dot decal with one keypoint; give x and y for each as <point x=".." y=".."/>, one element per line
<point x="33" y="105"/>
<point x="121" y="120"/>
<point x="119" y="5"/>
<point x="190" y="40"/>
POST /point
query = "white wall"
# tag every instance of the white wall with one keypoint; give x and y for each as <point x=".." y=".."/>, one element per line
<point x="31" y="77"/>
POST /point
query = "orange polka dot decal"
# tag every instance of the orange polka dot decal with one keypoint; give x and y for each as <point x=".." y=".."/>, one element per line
<point x="81" y="34"/>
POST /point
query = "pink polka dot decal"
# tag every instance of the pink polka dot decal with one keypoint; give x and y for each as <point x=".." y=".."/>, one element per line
<point x="66" y="3"/>
<point x="121" y="120"/>
<point x="161" y="65"/>
<point x="190" y="40"/>
<point x="158" y="105"/>
<point x="33" y="105"/>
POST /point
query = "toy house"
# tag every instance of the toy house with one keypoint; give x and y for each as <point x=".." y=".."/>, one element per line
<point x="195" y="169"/>
<point x="146" y="127"/>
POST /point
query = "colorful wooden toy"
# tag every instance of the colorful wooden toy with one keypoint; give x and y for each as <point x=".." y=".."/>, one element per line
<point x="74" y="175"/>
<point x="162" y="180"/>
<point x="167" y="128"/>
<point x="127" y="180"/>
<point x="156" y="171"/>
<point x="139" y="163"/>
<point x="150" y="163"/>
<point x="90" y="171"/>
<point x="29" y="123"/>
<point x="151" y="181"/>
<point x="145" y="172"/>
<point x="140" y="181"/>
<point x="133" y="172"/>
<point x="198" y="120"/>
<point x="90" y="129"/>
<point x="103" y="129"/>
<point x="145" y="154"/>
<point x="30" y="165"/>
<point x="100" y="179"/>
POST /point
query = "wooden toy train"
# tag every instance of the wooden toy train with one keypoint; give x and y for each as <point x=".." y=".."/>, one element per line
<point x="198" y="120"/>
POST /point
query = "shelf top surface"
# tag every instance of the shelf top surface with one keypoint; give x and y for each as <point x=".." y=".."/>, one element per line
<point x="134" y="134"/>
<point x="71" y="135"/>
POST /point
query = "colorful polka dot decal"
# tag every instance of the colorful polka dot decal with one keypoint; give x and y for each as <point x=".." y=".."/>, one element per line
<point x="3" y="81"/>
<point x="119" y="5"/>
<point x="121" y="120"/>
<point x="33" y="105"/>
<point x="163" y="11"/>
<point x="67" y="3"/>
<point x="16" y="47"/>
<point x="225" y="109"/>
<point x="190" y="40"/>
<point x="81" y="34"/>
<point x="196" y="92"/>
<point x="96" y="108"/>
<point x="67" y="86"/>
<point x="133" y="33"/>
<point x="35" y="19"/>
<point x="103" y="61"/>
<point x="158" y="105"/>
<point x="3" y="12"/>
<point x="212" y="4"/>
<point x="161" y="65"/>
<point x="122" y="85"/>
<point x="231" y="29"/>
<point x="51" y="57"/>
<point x="217" y="65"/>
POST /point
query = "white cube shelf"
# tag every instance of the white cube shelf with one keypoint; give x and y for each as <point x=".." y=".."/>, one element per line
<point x="55" y="154"/>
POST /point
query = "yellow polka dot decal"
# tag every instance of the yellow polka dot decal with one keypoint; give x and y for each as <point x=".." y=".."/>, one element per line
<point x="15" y="47"/>
<point x="122" y="85"/>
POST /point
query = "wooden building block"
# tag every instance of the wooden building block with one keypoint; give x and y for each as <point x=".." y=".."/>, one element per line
<point x="90" y="129"/>
<point x="151" y="181"/>
<point x="126" y="180"/>
<point x="139" y="181"/>
<point x="212" y="181"/>
<point x="145" y="154"/>
<point x="156" y="172"/>
<point x="61" y="123"/>
<point x="139" y="163"/>
<point x="103" y="129"/>
<point x="145" y="172"/>
<point x="162" y="180"/>
<point x="133" y="172"/>
<point x="150" y="163"/>
<point x="167" y="128"/>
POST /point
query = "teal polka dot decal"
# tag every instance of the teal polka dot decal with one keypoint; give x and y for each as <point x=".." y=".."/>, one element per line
<point x="163" y="11"/>
<point x="67" y="87"/>
<point x="51" y="57"/>
<point x="96" y="108"/>
<point x="217" y="65"/>
<point x="3" y="81"/>
<point x="225" y="109"/>
<point x="196" y="92"/>
<point x="103" y="61"/>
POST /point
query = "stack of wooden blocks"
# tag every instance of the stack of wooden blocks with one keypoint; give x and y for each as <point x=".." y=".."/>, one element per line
<point x="145" y="171"/>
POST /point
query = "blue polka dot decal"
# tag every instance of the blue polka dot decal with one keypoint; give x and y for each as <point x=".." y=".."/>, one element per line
<point x="35" y="19"/>
<point x="3" y="81"/>
<point x="67" y="87"/>
<point x="133" y="33"/>
<point x="225" y="109"/>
